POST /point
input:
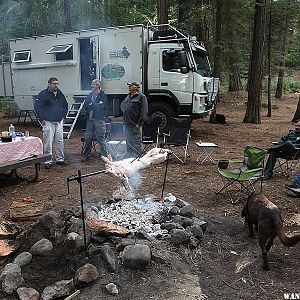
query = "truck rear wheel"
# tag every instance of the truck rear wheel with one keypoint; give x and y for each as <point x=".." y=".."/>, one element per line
<point x="164" y="111"/>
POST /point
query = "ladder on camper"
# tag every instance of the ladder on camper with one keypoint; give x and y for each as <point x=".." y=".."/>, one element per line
<point x="72" y="116"/>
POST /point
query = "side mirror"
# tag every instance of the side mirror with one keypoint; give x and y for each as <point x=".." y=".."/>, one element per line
<point x="184" y="70"/>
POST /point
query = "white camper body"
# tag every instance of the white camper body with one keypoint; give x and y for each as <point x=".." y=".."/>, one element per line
<point x="173" y="68"/>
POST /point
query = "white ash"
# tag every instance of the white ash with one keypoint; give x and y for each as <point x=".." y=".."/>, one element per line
<point x="136" y="214"/>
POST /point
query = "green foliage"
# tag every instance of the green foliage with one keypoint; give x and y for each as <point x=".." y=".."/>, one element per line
<point x="289" y="85"/>
<point x="8" y="107"/>
<point x="20" y="18"/>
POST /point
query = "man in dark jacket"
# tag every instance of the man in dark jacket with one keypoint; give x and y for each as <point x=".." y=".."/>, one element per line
<point x="95" y="106"/>
<point x="135" y="114"/>
<point x="288" y="147"/>
<point x="51" y="108"/>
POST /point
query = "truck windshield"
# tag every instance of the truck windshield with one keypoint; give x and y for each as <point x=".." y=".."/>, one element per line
<point x="202" y="64"/>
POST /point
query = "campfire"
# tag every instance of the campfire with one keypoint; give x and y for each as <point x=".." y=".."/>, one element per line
<point x="122" y="232"/>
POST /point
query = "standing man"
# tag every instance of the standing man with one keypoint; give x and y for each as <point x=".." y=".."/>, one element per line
<point x="51" y="108"/>
<point x="95" y="106"/>
<point x="135" y="114"/>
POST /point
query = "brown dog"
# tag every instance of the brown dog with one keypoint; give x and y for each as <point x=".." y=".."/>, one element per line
<point x="266" y="218"/>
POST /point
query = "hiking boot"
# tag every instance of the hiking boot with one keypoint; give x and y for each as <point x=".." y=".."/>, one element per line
<point x="267" y="176"/>
<point x="62" y="163"/>
<point x="47" y="166"/>
<point x="85" y="158"/>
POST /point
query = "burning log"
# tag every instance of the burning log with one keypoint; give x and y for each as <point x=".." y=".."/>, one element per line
<point x="125" y="168"/>
<point x="100" y="226"/>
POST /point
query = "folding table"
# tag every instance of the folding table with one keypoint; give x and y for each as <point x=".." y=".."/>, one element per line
<point x="206" y="151"/>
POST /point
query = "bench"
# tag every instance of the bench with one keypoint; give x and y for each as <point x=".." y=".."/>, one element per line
<point x="13" y="166"/>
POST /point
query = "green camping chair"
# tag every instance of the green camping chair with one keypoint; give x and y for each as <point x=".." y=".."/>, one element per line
<point x="246" y="175"/>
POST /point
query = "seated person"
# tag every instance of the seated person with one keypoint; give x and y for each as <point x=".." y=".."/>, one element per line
<point x="286" y="148"/>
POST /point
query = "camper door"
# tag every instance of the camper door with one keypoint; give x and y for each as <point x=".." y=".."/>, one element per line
<point x="89" y="61"/>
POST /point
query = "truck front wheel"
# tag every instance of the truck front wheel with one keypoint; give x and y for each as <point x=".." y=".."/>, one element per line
<point x="162" y="110"/>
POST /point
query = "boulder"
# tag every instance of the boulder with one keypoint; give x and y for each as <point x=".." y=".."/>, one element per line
<point x="136" y="256"/>
<point x="86" y="274"/>
<point x="42" y="248"/>
<point x="58" y="289"/>
<point x="28" y="294"/>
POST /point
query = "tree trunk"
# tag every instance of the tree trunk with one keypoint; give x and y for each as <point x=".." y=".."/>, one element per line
<point x="162" y="11"/>
<point x="253" y="112"/>
<point x="269" y="68"/>
<point x="297" y="113"/>
<point x="218" y="52"/>
<point x="279" y="87"/>
<point x="67" y="16"/>
<point x="235" y="83"/>
<point x="181" y="11"/>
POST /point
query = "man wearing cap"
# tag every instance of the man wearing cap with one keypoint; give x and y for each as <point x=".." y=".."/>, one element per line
<point x="135" y="114"/>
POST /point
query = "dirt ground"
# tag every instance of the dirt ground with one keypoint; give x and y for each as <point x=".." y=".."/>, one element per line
<point x="227" y="265"/>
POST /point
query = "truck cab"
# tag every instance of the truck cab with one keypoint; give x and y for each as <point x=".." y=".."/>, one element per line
<point x="179" y="77"/>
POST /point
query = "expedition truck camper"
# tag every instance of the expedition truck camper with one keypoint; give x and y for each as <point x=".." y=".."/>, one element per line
<point x="173" y="69"/>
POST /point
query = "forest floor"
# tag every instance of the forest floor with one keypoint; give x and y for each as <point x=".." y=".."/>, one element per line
<point x="227" y="264"/>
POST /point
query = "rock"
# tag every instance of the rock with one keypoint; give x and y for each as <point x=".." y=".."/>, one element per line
<point x="201" y="223"/>
<point x="58" y="289"/>
<point x="137" y="256"/>
<point x="179" y="237"/>
<point x="193" y="242"/>
<point x="124" y="242"/>
<point x="112" y="289"/>
<point x="43" y="247"/>
<point x="23" y="259"/>
<point x="8" y="230"/>
<point x="187" y="211"/>
<point x="109" y="257"/>
<point x="28" y="294"/>
<point x="10" y="268"/>
<point x="196" y="230"/>
<point x="183" y="221"/>
<point x="168" y="226"/>
<point x="180" y="203"/>
<point x="94" y="250"/>
<point x="76" y="225"/>
<point x="50" y="220"/>
<point x="98" y="239"/>
<point x="11" y="282"/>
<point x="86" y="274"/>
<point x="75" y="241"/>
<point x="143" y="235"/>
<point x="174" y="210"/>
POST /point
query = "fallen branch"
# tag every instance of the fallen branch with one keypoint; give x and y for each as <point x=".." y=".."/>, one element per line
<point x="100" y="226"/>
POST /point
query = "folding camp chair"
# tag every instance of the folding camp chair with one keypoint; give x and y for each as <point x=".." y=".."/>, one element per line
<point x="287" y="164"/>
<point x="151" y="132"/>
<point x="116" y="141"/>
<point x="177" y="138"/>
<point x="246" y="175"/>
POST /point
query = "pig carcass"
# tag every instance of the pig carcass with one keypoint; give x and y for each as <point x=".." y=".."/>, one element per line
<point x="124" y="169"/>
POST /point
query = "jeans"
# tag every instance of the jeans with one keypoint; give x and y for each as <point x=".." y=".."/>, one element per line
<point x="134" y="144"/>
<point x="97" y="129"/>
<point x="53" y="132"/>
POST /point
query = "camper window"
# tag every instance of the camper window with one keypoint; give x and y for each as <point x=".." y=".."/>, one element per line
<point x="62" y="52"/>
<point x="22" y="56"/>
